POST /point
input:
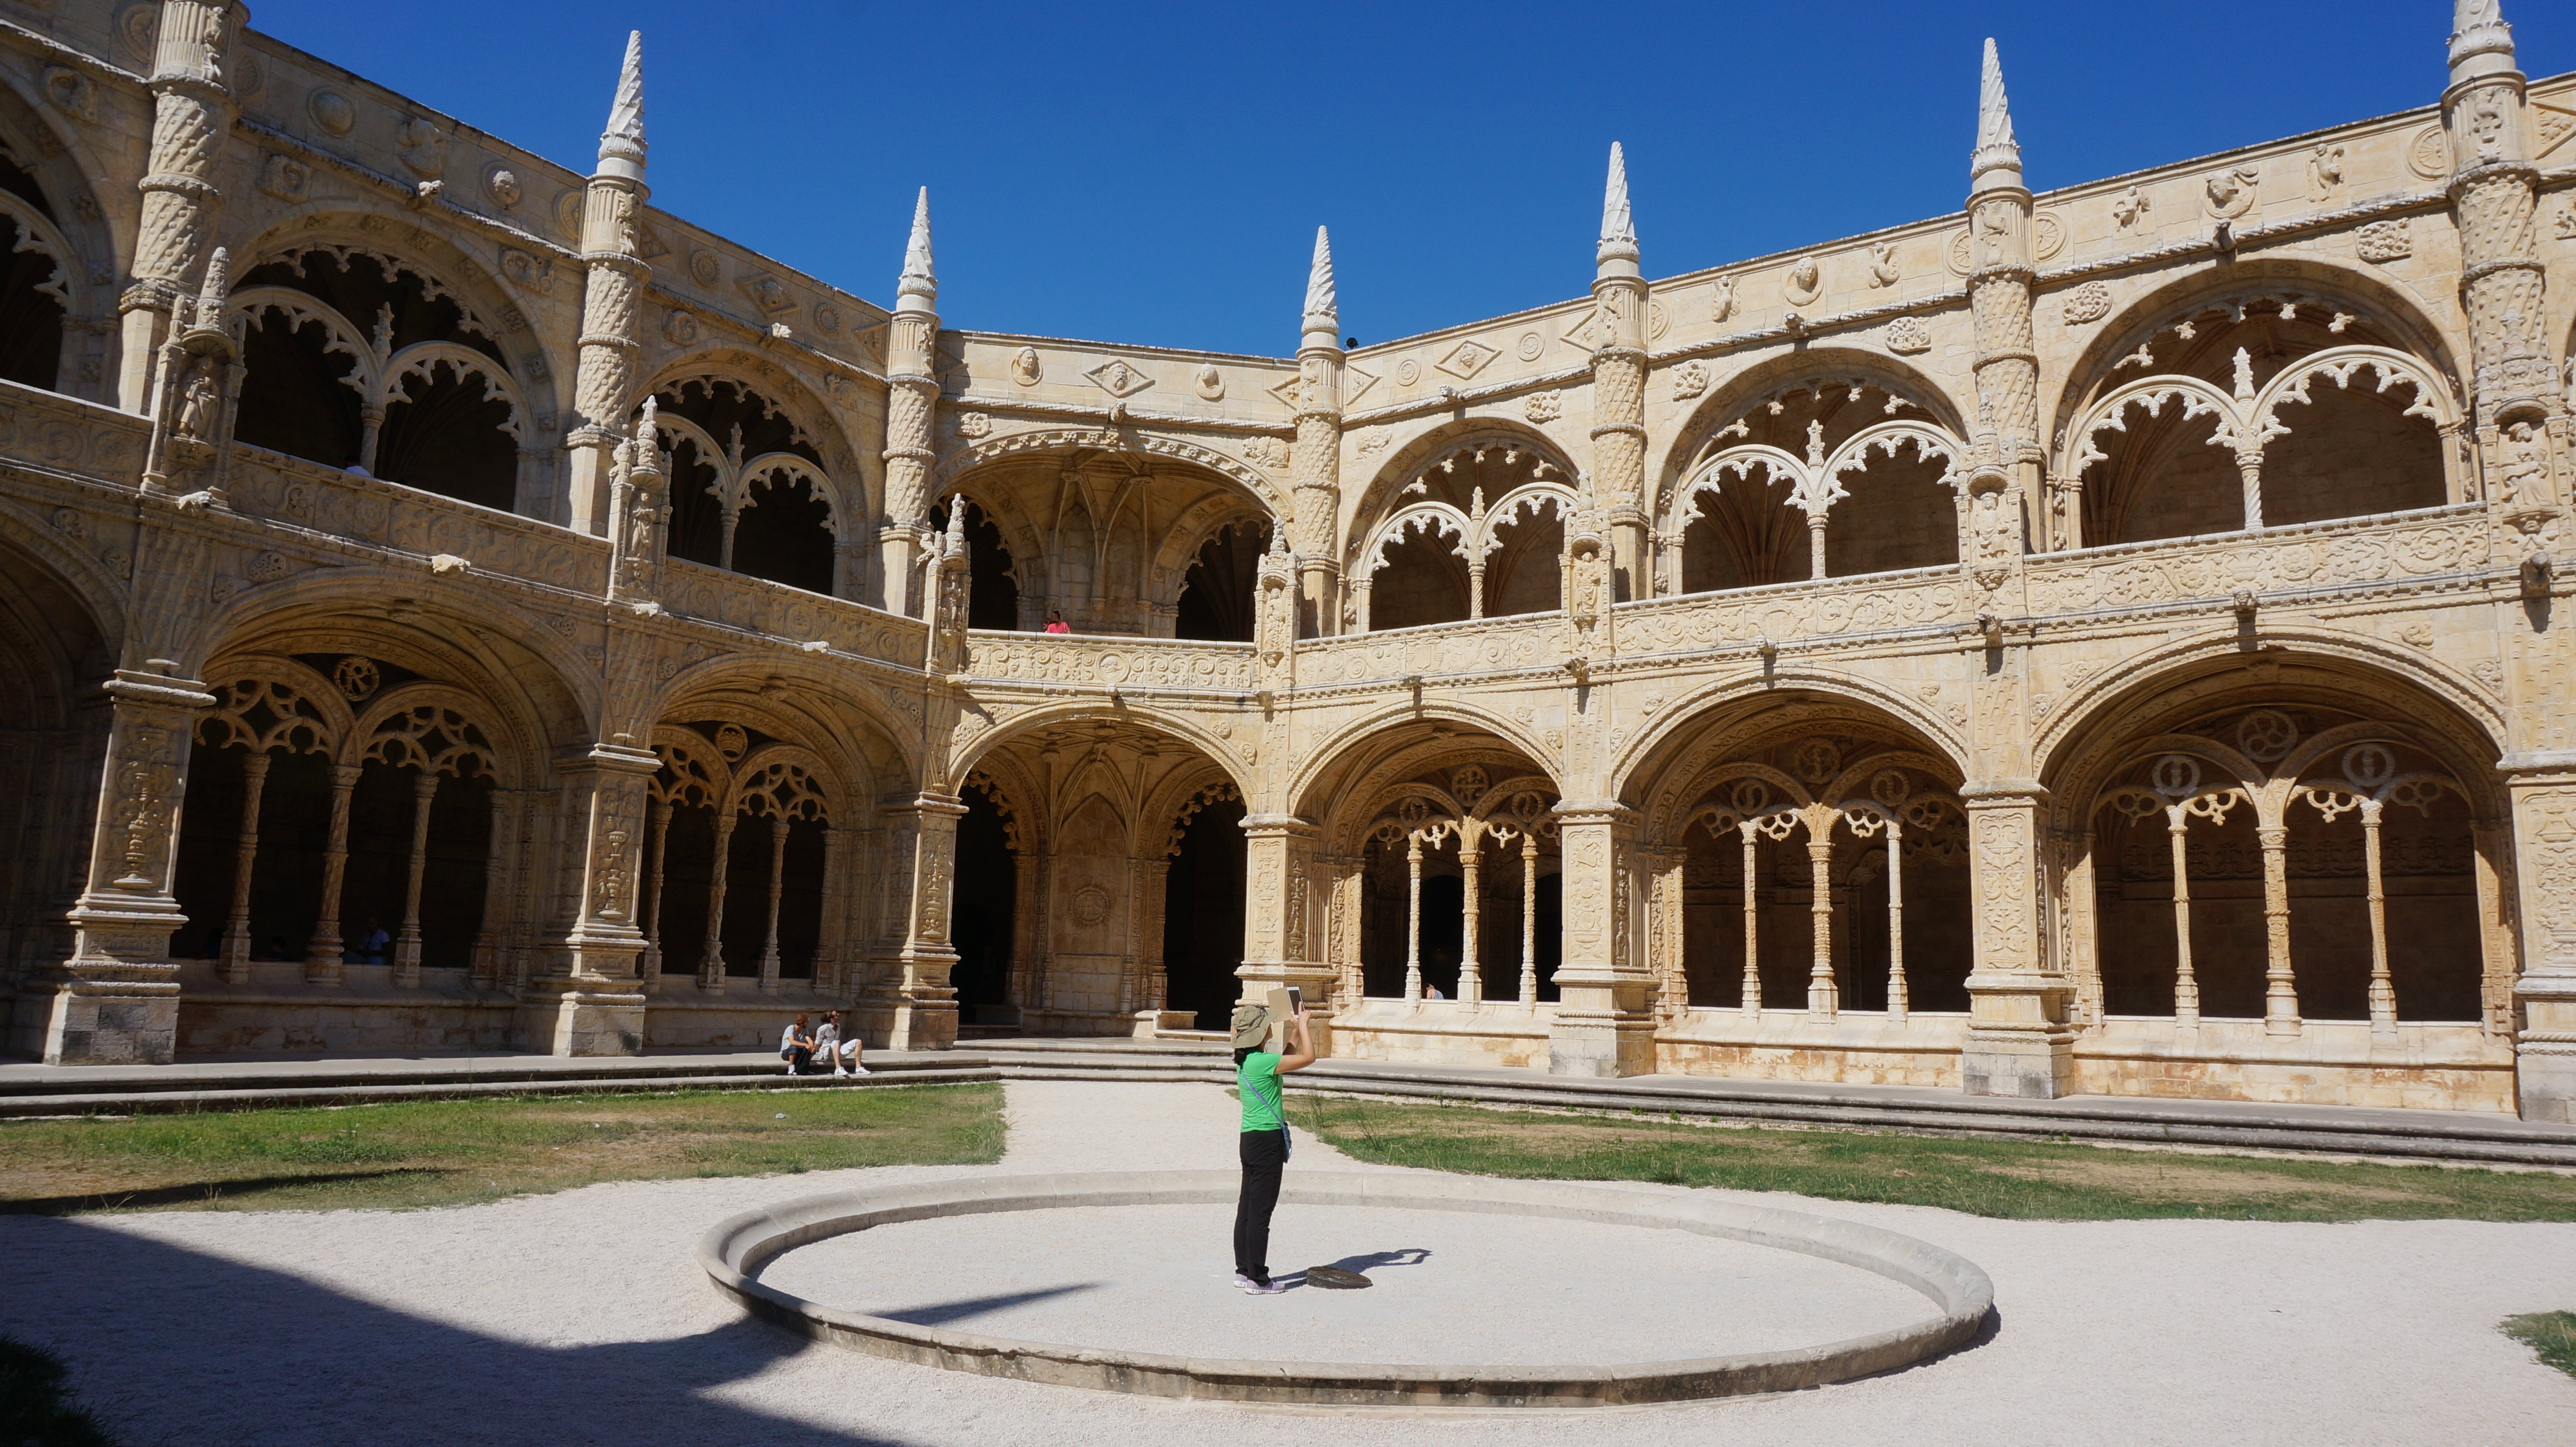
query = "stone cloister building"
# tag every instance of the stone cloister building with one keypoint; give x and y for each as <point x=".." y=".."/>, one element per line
<point x="2114" y="640"/>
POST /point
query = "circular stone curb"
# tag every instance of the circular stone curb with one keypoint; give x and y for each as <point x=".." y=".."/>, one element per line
<point x="735" y="1250"/>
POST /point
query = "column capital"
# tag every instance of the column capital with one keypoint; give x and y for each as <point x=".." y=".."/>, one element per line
<point x="1272" y="826"/>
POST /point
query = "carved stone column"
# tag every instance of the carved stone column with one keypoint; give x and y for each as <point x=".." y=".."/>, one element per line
<point x="1999" y="283"/>
<point x="1619" y="387"/>
<point x="2492" y="201"/>
<point x="2543" y="790"/>
<point x="2020" y="1041"/>
<point x="234" y="968"/>
<point x="1604" y="1023"/>
<point x="1278" y="928"/>
<point x="831" y="947"/>
<point x="1028" y="930"/>
<point x="613" y="280"/>
<point x="115" y="1001"/>
<point x="2519" y="417"/>
<point x="1317" y="456"/>
<point x="407" y="937"/>
<point x="192" y="111"/>
<point x="589" y="1002"/>
<point x="912" y="399"/>
<point x="769" y="978"/>
<point x="323" y="956"/>
<point x="925" y="1005"/>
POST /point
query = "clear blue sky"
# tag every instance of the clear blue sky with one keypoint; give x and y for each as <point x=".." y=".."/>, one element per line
<point x="1154" y="173"/>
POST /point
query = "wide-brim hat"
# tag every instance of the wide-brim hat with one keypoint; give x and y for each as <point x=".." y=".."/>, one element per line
<point x="1251" y="1026"/>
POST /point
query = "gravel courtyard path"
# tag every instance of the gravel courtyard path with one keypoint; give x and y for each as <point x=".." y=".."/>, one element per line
<point x="582" y="1318"/>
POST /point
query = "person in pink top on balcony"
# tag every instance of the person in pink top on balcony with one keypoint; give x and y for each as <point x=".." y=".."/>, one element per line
<point x="1056" y="623"/>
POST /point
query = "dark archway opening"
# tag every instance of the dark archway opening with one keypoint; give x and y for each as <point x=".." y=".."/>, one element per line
<point x="295" y="398"/>
<point x="784" y="534"/>
<point x="1444" y="933"/>
<point x="378" y="882"/>
<point x="688" y="856"/>
<point x="1216" y="595"/>
<point x="31" y="318"/>
<point x="986" y="904"/>
<point x="443" y="432"/>
<point x="746" y="906"/>
<point x="1203" y="915"/>
<point x="1423" y="581"/>
<point x="782" y="530"/>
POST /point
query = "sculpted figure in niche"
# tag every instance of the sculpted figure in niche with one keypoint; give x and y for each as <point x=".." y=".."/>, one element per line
<point x="2486" y="126"/>
<point x="2521" y="477"/>
<point x="197" y="409"/>
<point x="1993" y="532"/>
<point x="1994" y="233"/>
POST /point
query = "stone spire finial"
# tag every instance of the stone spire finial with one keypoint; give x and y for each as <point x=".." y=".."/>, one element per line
<point x="1997" y="159"/>
<point x="917" y="279"/>
<point x="1618" y="227"/>
<point x="218" y="285"/>
<point x="955" y="546"/>
<point x="2481" y="42"/>
<point x="648" y="436"/>
<point x="1323" y="311"/>
<point x="621" y="146"/>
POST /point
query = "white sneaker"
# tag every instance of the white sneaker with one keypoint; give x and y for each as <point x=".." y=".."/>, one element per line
<point x="858" y="1070"/>
<point x="838" y="1072"/>
<point x="1250" y="1287"/>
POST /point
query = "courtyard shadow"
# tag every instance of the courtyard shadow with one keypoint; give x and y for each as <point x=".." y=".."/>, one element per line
<point x="191" y="1192"/>
<point x="972" y="1306"/>
<point x="173" y="1345"/>
<point x="1408" y="1256"/>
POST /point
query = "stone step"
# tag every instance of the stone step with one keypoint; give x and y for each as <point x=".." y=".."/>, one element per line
<point x="22" y="1082"/>
<point x="176" y="1101"/>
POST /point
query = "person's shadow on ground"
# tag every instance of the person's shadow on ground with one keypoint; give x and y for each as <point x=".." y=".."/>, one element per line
<point x="1362" y="1265"/>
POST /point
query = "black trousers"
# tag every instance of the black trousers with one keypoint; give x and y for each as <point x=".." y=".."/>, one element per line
<point x="1265" y="1155"/>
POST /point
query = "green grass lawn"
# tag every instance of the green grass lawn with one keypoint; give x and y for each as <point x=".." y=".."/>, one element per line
<point x="2551" y="1335"/>
<point x="2020" y="1180"/>
<point x="447" y="1152"/>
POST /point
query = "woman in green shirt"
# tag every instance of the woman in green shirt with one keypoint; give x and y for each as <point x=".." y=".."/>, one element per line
<point x="1265" y="1138"/>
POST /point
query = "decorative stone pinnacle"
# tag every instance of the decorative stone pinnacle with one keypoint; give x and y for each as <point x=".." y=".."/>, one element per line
<point x="1618" y="227"/>
<point x="917" y="278"/>
<point x="1323" y="312"/>
<point x="218" y="285"/>
<point x="648" y="436"/>
<point x="2478" y="29"/>
<point x="1996" y="150"/>
<point x="955" y="545"/>
<point x="624" y="138"/>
